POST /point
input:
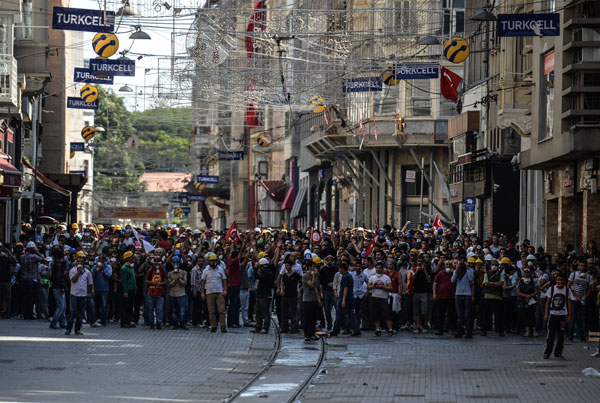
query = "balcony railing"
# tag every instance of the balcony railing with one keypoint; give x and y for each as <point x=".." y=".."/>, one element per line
<point x="8" y="81"/>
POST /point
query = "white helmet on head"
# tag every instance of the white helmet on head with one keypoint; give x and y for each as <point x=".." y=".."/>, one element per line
<point x="30" y="245"/>
<point x="263" y="261"/>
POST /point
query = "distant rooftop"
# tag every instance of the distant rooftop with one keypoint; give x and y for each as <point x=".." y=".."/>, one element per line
<point x="165" y="181"/>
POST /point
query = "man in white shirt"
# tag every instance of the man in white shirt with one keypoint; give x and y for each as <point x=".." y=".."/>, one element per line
<point x="580" y="284"/>
<point x="558" y="315"/>
<point x="213" y="287"/>
<point x="380" y="286"/>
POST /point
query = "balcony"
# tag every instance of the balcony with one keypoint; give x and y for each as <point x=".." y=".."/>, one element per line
<point x="9" y="94"/>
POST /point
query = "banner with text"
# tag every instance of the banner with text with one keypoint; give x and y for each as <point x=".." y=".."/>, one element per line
<point x="207" y="179"/>
<point x="231" y="155"/>
<point x="83" y="75"/>
<point x="144" y="213"/>
<point x="409" y="71"/>
<point x="113" y="67"/>
<point x="80" y="19"/>
<point x="362" y="84"/>
<point x="529" y="24"/>
<point x="78" y="103"/>
<point x="77" y="147"/>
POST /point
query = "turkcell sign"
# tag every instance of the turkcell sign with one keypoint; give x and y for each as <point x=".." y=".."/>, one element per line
<point x="112" y="67"/>
<point x="80" y="19"/>
<point x="529" y="24"/>
<point x="78" y="103"/>
<point x="362" y="84"/>
<point x="207" y="179"/>
<point x="231" y="155"/>
<point x="83" y="75"/>
<point x="406" y="71"/>
<point x="186" y="210"/>
<point x="82" y="173"/>
<point x="196" y="198"/>
<point x="77" y="146"/>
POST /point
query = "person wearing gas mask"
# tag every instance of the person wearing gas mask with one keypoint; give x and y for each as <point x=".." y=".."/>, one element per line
<point x="177" y="279"/>
<point x="213" y="287"/>
<point x="128" y="287"/>
<point x="492" y="284"/>
<point x="58" y="272"/>
<point x="102" y="272"/>
<point x="326" y="275"/>
<point x="527" y="293"/>
<point x="264" y="287"/>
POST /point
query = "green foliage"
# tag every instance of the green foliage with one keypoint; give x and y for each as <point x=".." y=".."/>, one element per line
<point x="164" y="143"/>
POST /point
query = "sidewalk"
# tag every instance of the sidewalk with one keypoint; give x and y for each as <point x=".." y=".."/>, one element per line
<point x="113" y="364"/>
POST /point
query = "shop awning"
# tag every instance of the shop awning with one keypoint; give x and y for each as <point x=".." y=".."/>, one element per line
<point x="47" y="182"/>
<point x="288" y="202"/>
<point x="275" y="189"/>
<point x="11" y="176"/>
<point x="297" y="210"/>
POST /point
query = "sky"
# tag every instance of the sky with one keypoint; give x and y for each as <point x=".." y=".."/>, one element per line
<point x="158" y="24"/>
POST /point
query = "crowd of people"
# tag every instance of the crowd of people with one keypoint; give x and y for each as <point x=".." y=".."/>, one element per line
<point x="422" y="279"/>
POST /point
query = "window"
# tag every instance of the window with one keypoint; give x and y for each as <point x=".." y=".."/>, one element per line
<point x="420" y="97"/>
<point x="455" y="9"/>
<point x="385" y="100"/>
<point x="547" y="98"/>
<point x="411" y="179"/>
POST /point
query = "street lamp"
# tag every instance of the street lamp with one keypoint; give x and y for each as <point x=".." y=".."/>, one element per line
<point x="99" y="129"/>
<point x="139" y="34"/>
<point x="483" y="16"/>
<point x="125" y="88"/>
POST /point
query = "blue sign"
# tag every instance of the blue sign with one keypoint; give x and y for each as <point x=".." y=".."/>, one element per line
<point x="77" y="147"/>
<point x="231" y="155"/>
<point x="408" y="71"/>
<point x="469" y="204"/>
<point x="78" y="103"/>
<point x="80" y="19"/>
<point x="113" y="67"/>
<point x="207" y="179"/>
<point x="196" y="198"/>
<point x="84" y="76"/>
<point x="363" y="84"/>
<point x="82" y="173"/>
<point x="177" y="200"/>
<point x="186" y="210"/>
<point x="529" y="24"/>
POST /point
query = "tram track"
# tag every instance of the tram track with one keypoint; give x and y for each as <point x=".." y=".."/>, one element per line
<point x="277" y="382"/>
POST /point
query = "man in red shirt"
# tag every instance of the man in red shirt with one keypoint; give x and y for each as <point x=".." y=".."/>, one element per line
<point x="164" y="242"/>
<point x="234" y="280"/>
<point x="444" y="291"/>
<point x="156" y="278"/>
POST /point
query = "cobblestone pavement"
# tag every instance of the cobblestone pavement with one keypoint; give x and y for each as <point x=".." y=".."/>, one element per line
<point x="113" y="364"/>
<point x="429" y="368"/>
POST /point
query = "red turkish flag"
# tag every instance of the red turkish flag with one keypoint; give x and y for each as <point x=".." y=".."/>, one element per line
<point x="437" y="223"/>
<point x="370" y="247"/>
<point x="315" y="236"/>
<point x="233" y="234"/>
<point x="449" y="83"/>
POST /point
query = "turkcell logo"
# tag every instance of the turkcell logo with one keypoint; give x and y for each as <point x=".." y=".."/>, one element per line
<point x="77" y="146"/>
<point x="405" y="71"/>
<point x="80" y="19"/>
<point x="529" y="24"/>
<point x="196" y="198"/>
<point x="78" y="103"/>
<point x="362" y="84"/>
<point x="112" y="67"/>
<point x="207" y="179"/>
<point x="83" y="75"/>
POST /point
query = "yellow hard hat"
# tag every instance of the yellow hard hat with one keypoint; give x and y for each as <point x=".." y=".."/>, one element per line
<point x="100" y="226"/>
<point x="75" y="226"/>
<point x="471" y="260"/>
<point x="80" y="254"/>
<point x="19" y="244"/>
<point x="317" y="260"/>
<point x="505" y="260"/>
<point x="261" y="254"/>
<point x="413" y="250"/>
<point x="127" y="254"/>
<point x="178" y="246"/>
<point x="117" y="228"/>
<point x="213" y="256"/>
<point x="479" y="261"/>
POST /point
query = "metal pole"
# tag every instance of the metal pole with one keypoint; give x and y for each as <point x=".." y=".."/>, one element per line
<point x="34" y="140"/>
<point x="422" y="174"/>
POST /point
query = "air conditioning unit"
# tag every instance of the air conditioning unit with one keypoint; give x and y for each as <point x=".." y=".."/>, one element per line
<point x="9" y="91"/>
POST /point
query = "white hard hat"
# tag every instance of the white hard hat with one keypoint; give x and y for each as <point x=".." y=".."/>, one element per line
<point x="470" y="254"/>
<point x="263" y="261"/>
<point x="30" y="245"/>
<point x="489" y="258"/>
<point x="531" y="257"/>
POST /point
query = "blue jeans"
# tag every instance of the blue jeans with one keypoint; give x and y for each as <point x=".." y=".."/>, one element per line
<point x="61" y="304"/>
<point x="233" y="311"/>
<point x="77" y="305"/>
<point x="101" y="298"/>
<point x="328" y="303"/>
<point x="90" y="309"/>
<point x="577" y="314"/>
<point x="340" y="316"/>
<point x="244" y="300"/>
<point x="463" y="311"/>
<point x="178" y="305"/>
<point x="155" y="303"/>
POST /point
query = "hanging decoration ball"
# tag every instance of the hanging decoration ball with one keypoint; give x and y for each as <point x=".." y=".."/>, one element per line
<point x="105" y="44"/>
<point x="389" y="75"/>
<point x="89" y="93"/>
<point x="211" y="160"/>
<point x="317" y="104"/>
<point x="456" y="50"/>
<point x="88" y="133"/>
<point x="263" y="140"/>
